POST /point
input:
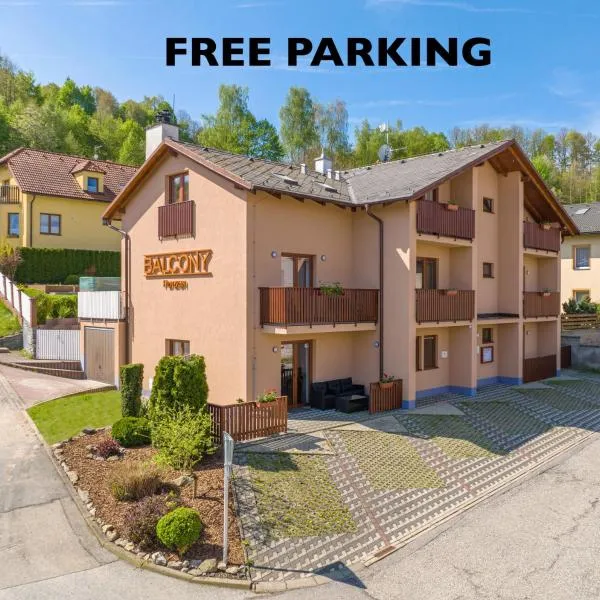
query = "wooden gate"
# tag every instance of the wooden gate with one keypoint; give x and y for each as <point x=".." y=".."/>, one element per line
<point x="565" y="357"/>
<point x="99" y="355"/>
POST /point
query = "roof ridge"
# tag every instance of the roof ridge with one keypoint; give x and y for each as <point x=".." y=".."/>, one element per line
<point x="75" y="156"/>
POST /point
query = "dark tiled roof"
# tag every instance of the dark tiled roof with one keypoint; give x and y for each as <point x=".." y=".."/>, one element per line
<point x="588" y="219"/>
<point x="50" y="174"/>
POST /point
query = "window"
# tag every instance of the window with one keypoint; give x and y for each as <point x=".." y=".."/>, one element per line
<point x="418" y="353"/>
<point x="581" y="257"/>
<point x="179" y="188"/>
<point x="426" y="274"/>
<point x="487" y="354"/>
<point x="430" y="352"/>
<point x="178" y="347"/>
<point x="488" y="270"/>
<point x="49" y="224"/>
<point x="13" y="225"/>
<point x="92" y="185"/>
<point x="580" y="295"/>
<point x="488" y="205"/>
<point x="487" y="335"/>
<point x="432" y="195"/>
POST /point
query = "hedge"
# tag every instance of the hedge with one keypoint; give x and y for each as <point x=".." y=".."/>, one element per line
<point x="54" y="265"/>
<point x="132" y="377"/>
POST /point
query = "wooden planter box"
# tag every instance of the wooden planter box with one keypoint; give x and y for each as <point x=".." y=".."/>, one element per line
<point x="451" y="292"/>
<point x="385" y="398"/>
<point x="452" y="207"/>
<point x="386" y="385"/>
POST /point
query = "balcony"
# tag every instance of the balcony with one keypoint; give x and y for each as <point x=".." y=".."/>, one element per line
<point x="10" y="194"/>
<point x="541" y="304"/>
<point x="437" y="306"/>
<point x="176" y="220"/>
<point x="101" y="305"/>
<point x="538" y="238"/>
<point x="434" y="218"/>
<point x="286" y="306"/>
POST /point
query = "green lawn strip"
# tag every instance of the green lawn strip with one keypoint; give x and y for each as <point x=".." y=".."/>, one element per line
<point x="296" y="496"/>
<point x="390" y="461"/>
<point x="453" y="435"/>
<point x="507" y="417"/>
<point x="32" y="292"/>
<point x="64" y="417"/>
<point x="9" y="324"/>
<point x="560" y="400"/>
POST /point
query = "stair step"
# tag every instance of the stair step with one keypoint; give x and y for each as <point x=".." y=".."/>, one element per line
<point x="66" y="373"/>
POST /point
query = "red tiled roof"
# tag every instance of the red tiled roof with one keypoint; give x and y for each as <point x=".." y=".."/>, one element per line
<point x="51" y="174"/>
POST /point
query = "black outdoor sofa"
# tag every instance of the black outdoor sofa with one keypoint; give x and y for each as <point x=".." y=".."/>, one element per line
<point x="327" y="395"/>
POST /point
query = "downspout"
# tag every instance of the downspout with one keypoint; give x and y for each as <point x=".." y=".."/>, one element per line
<point x="381" y="328"/>
<point x="127" y="240"/>
<point x="31" y="221"/>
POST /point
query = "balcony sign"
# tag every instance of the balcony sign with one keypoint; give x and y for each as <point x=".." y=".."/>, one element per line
<point x="177" y="264"/>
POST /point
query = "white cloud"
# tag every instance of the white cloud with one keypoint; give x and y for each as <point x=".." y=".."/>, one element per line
<point x="566" y="83"/>
<point x="463" y="6"/>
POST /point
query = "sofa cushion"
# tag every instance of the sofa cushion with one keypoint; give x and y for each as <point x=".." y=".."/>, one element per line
<point x="346" y="384"/>
<point x="335" y="387"/>
<point x="320" y="386"/>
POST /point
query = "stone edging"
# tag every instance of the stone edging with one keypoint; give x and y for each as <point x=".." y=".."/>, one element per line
<point x="109" y="539"/>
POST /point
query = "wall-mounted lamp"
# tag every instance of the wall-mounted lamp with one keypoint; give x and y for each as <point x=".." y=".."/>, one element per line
<point x="323" y="258"/>
<point x="273" y="254"/>
<point x="275" y="348"/>
<point x="376" y="344"/>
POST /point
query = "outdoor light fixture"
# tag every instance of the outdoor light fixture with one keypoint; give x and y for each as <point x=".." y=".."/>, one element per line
<point x="274" y="254"/>
<point x="376" y="344"/>
<point x="323" y="258"/>
<point x="275" y="349"/>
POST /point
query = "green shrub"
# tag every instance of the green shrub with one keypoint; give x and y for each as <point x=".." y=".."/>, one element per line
<point x="131" y="431"/>
<point x="72" y="279"/>
<point x="132" y="377"/>
<point x="54" y="265"/>
<point x="179" y="529"/>
<point x="182" y="437"/>
<point x="135" y="480"/>
<point x="141" y="519"/>
<point x="178" y="382"/>
<point x="55" y="306"/>
<point x="584" y="306"/>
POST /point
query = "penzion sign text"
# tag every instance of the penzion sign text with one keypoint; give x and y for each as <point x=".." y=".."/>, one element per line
<point x="178" y="264"/>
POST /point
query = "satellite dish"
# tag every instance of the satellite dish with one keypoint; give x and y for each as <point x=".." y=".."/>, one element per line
<point x="384" y="153"/>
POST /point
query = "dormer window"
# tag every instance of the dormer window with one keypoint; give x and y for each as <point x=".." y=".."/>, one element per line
<point x="92" y="185"/>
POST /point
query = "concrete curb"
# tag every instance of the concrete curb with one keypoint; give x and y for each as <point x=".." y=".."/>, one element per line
<point x="121" y="553"/>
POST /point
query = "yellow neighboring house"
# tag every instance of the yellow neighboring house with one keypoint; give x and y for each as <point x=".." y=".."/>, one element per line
<point x="50" y="200"/>
<point x="580" y="254"/>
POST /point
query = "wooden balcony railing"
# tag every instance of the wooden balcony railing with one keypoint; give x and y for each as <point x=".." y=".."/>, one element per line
<point x="176" y="220"/>
<point x="541" y="367"/>
<point x="541" y="304"/>
<point x="538" y="238"/>
<point x="309" y="306"/>
<point x="10" y="194"/>
<point x="435" y="218"/>
<point x="445" y="305"/>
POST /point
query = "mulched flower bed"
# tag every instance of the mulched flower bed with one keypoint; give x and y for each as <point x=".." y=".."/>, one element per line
<point x="95" y="475"/>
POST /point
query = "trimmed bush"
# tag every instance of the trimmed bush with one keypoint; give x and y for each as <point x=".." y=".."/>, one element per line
<point x="50" y="306"/>
<point x="179" y="529"/>
<point x="72" y="279"/>
<point x="54" y="265"/>
<point x="107" y="448"/>
<point x="182" y="438"/>
<point x="135" y="480"/>
<point x="131" y="431"/>
<point x="178" y="382"/>
<point x="141" y="520"/>
<point x="132" y="377"/>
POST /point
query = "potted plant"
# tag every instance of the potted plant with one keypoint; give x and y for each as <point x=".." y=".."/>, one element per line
<point x="452" y="206"/>
<point x="546" y="225"/>
<point x="546" y="292"/>
<point x="266" y="399"/>
<point x="387" y="381"/>
<point x="451" y="292"/>
<point x="331" y="289"/>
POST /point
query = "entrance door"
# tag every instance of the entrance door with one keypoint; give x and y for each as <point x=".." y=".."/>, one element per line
<point x="296" y="372"/>
<point x="99" y="354"/>
<point x="296" y="270"/>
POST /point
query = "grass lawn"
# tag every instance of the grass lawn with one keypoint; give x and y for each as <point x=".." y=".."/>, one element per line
<point x="32" y="292"/>
<point x="8" y="322"/>
<point x="64" y="417"/>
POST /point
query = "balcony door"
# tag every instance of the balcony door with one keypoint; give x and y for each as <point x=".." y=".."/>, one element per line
<point x="297" y="270"/>
<point x="296" y="372"/>
<point x="427" y="270"/>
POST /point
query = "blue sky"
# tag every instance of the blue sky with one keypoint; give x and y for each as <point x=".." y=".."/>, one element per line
<point x="544" y="71"/>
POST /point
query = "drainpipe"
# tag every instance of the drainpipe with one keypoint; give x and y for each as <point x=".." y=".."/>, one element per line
<point x="31" y="221"/>
<point x="381" y="345"/>
<point x="127" y="239"/>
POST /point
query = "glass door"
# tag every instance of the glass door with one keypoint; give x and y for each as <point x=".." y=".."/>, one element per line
<point x="296" y="372"/>
<point x="297" y="270"/>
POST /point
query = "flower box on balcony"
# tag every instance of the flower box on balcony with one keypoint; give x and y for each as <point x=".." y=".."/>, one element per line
<point x="452" y="207"/>
<point x="451" y="292"/>
<point x="545" y="294"/>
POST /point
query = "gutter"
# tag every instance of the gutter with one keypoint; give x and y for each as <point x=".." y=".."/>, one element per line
<point x="127" y="239"/>
<point x="381" y="328"/>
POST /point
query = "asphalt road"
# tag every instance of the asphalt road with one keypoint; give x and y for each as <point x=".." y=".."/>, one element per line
<point x="540" y="540"/>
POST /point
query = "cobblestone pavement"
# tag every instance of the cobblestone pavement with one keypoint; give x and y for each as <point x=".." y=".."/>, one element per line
<point x="397" y="481"/>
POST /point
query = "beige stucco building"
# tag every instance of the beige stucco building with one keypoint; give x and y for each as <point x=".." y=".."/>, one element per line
<point x="448" y="280"/>
<point x="580" y="254"/>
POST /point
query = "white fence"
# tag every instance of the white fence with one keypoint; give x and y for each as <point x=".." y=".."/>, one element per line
<point x="57" y="344"/>
<point x="100" y="305"/>
<point x="21" y="302"/>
